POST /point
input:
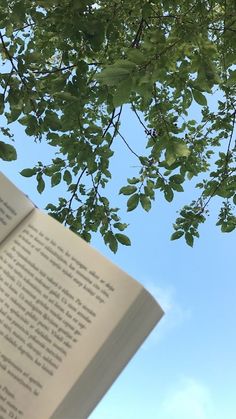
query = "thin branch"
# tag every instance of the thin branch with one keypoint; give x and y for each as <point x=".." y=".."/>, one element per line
<point x="138" y="35"/>
<point x="7" y="82"/>
<point x="25" y="27"/>
<point x="136" y="113"/>
<point x="230" y="142"/>
<point x="109" y="123"/>
<point x="225" y="173"/>
<point x="215" y="190"/>
<point x="118" y="116"/>
<point x="126" y="143"/>
<point x="10" y="58"/>
<point x="75" y="192"/>
<point x="16" y="70"/>
<point x="54" y="70"/>
<point x="21" y="29"/>
<point x="57" y="70"/>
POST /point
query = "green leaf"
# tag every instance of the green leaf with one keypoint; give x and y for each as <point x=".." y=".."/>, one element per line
<point x="56" y="179"/>
<point x="133" y="180"/>
<point x="177" y="187"/>
<point x="120" y="226"/>
<point x="65" y="96"/>
<point x="228" y="227"/>
<point x="181" y="149"/>
<point x="160" y="68"/>
<point x="145" y="88"/>
<point x="41" y="184"/>
<point x="7" y="152"/>
<point x="104" y="200"/>
<point x="144" y="160"/>
<point x="67" y="177"/>
<point x="199" y="97"/>
<point x="28" y="120"/>
<point x="136" y="56"/>
<point x="133" y="202"/>
<point x="177" y="179"/>
<point x="86" y="236"/>
<point x="112" y="75"/>
<point x="28" y="172"/>
<point x="145" y="202"/>
<point x="175" y="149"/>
<point x="170" y="156"/>
<point x="232" y="78"/>
<point x="126" y="64"/>
<point x="123" y="239"/>
<point x="13" y="115"/>
<point x="9" y="29"/>
<point x="168" y="193"/>
<point x="192" y="122"/>
<point x="1" y="103"/>
<point x="147" y="10"/>
<point x="52" y="121"/>
<point x="122" y="93"/>
<point x="111" y="240"/>
<point x="113" y="245"/>
<point x="177" y="235"/>
<point x="189" y="239"/>
<point x="128" y="190"/>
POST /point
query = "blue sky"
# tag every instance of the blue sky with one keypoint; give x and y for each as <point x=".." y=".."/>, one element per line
<point x="186" y="369"/>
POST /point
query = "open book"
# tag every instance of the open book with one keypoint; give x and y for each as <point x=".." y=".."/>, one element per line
<point x="70" y="320"/>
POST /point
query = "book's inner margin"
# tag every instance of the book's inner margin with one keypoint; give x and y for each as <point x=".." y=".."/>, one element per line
<point x="14" y="207"/>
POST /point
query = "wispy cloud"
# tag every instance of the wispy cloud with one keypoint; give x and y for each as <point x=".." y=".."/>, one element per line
<point x="189" y="400"/>
<point x="175" y="314"/>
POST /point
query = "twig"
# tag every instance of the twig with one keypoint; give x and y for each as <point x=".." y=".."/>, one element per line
<point x="57" y="70"/>
<point x="109" y="123"/>
<point x="126" y="143"/>
<point x="138" y="35"/>
<point x="225" y="173"/>
<point x="7" y="82"/>
<point x="17" y="71"/>
<point x="136" y="113"/>
<point x="75" y="191"/>
<point x="118" y="116"/>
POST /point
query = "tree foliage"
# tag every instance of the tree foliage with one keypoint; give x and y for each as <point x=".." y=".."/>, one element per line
<point x="69" y="66"/>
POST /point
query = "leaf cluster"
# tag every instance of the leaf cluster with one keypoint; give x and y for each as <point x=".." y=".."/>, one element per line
<point x="67" y="69"/>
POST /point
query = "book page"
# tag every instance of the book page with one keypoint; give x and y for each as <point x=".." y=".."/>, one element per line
<point x="59" y="301"/>
<point x="14" y="206"/>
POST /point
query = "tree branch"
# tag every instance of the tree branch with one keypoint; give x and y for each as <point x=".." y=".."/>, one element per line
<point x="57" y="70"/>
<point x="126" y="143"/>
<point x="74" y="192"/>
<point x="225" y="173"/>
<point x="138" y="35"/>
<point x="17" y="71"/>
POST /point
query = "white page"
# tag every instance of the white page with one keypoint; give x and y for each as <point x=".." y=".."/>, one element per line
<point x="60" y="298"/>
<point x="14" y="206"/>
